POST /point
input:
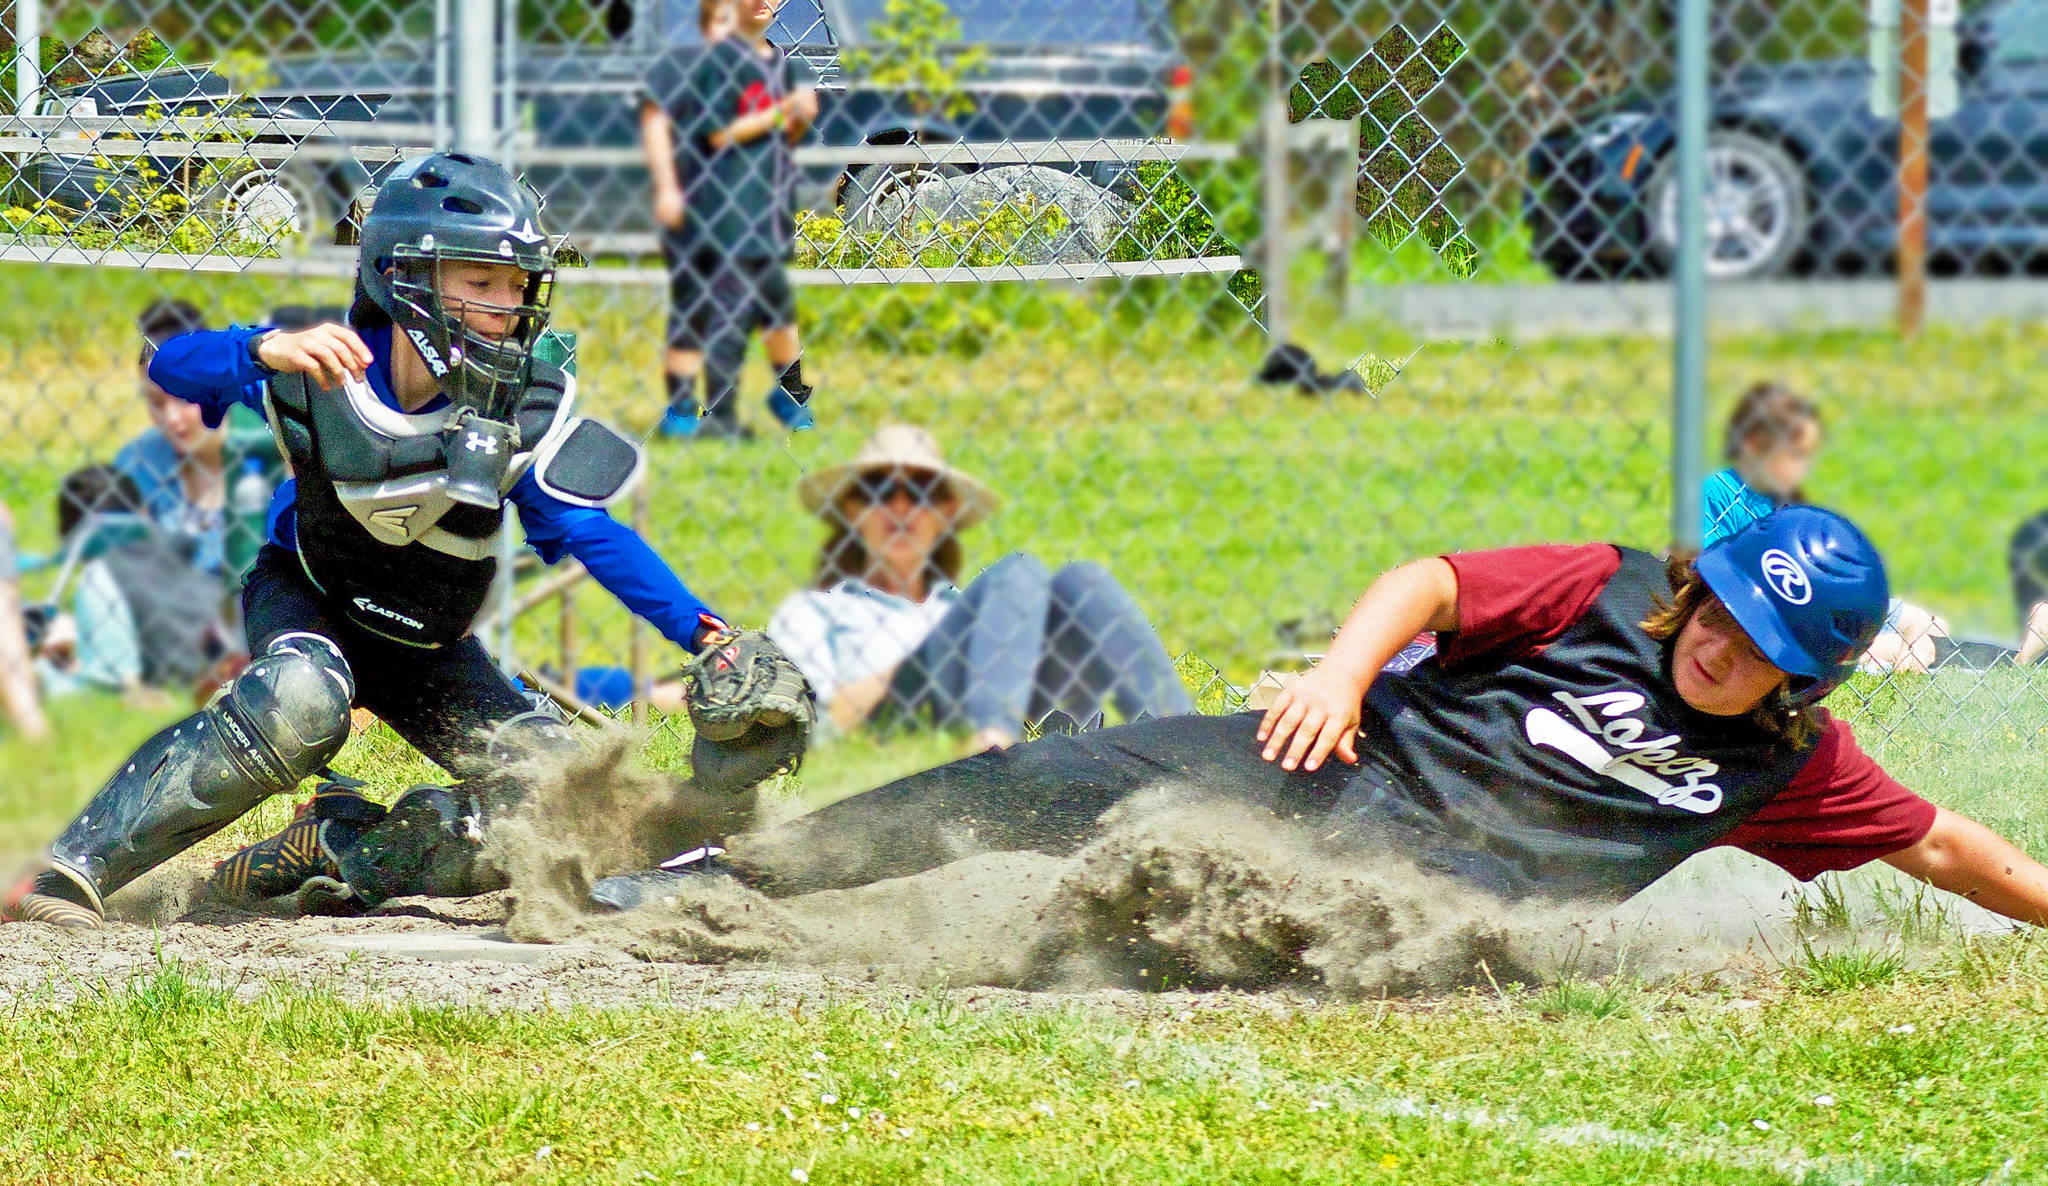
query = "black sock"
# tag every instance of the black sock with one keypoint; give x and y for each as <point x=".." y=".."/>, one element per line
<point x="682" y="394"/>
<point x="792" y="380"/>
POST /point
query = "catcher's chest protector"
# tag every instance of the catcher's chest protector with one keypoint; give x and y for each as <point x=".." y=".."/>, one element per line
<point x="1581" y="763"/>
<point x="378" y="532"/>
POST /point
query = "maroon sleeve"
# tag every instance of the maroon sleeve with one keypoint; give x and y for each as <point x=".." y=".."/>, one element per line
<point x="1841" y="811"/>
<point x="1513" y="602"/>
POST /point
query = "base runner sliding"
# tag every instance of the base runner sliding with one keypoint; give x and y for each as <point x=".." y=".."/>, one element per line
<point x="1593" y="716"/>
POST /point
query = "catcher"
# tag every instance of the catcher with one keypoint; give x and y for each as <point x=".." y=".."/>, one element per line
<point x="408" y="430"/>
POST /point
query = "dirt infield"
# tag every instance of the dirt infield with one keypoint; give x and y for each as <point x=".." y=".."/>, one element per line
<point x="719" y="946"/>
<point x="1179" y="891"/>
<point x="434" y="952"/>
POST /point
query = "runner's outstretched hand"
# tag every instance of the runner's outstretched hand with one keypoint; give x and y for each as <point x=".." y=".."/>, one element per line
<point x="1314" y="717"/>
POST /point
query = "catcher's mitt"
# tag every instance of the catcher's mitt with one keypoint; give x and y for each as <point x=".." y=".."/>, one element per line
<point x="752" y="710"/>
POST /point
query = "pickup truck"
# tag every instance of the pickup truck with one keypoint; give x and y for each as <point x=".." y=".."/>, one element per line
<point x="1081" y="70"/>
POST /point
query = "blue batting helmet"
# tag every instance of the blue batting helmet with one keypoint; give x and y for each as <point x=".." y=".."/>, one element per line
<point x="1807" y="587"/>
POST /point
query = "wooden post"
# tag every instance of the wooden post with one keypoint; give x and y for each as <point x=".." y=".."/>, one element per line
<point x="1913" y="139"/>
<point x="565" y="634"/>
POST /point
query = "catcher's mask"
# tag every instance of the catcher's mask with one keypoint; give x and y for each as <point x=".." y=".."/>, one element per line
<point x="456" y="208"/>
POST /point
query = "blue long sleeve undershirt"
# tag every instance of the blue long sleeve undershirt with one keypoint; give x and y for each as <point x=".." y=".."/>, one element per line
<point x="212" y="369"/>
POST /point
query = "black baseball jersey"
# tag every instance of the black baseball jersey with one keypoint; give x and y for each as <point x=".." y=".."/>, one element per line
<point x="1579" y="763"/>
<point x="739" y="199"/>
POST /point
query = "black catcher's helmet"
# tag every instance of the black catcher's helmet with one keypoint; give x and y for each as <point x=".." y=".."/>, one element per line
<point x="449" y="207"/>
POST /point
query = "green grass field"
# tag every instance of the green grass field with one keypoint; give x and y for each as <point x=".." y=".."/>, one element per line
<point x="1131" y="438"/>
<point x="1128" y="433"/>
<point x="1901" y="1052"/>
<point x="1936" y="1076"/>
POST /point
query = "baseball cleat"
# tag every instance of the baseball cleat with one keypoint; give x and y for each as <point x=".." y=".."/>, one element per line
<point x="794" y="414"/>
<point x="43" y="898"/>
<point x="630" y="891"/>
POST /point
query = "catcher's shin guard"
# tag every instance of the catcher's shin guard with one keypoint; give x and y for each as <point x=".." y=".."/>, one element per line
<point x="325" y="826"/>
<point x="281" y="720"/>
<point x="430" y="843"/>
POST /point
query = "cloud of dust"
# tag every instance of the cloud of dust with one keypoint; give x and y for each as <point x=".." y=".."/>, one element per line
<point x="1194" y="891"/>
<point x="1181" y="889"/>
<point x="165" y="894"/>
<point x="588" y="812"/>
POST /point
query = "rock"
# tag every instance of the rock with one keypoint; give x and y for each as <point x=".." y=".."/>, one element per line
<point x="1094" y="215"/>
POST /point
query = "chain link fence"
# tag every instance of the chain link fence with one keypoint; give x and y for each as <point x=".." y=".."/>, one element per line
<point x="1222" y="306"/>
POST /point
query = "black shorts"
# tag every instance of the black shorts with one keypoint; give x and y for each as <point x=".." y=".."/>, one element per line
<point x="689" y="292"/>
<point x="444" y="701"/>
<point x="750" y="294"/>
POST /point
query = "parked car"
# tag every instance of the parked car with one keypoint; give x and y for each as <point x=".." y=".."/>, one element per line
<point x="1801" y="174"/>
<point x="1052" y="69"/>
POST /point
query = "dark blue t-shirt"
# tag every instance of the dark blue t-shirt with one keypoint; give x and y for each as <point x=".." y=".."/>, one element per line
<point x="738" y="200"/>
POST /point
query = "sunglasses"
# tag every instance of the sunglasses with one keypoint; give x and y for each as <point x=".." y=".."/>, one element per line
<point x="882" y="489"/>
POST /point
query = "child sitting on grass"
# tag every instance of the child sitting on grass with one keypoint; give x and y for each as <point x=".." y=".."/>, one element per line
<point x="1773" y="436"/>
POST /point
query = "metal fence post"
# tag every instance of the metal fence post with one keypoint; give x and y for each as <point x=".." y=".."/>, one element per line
<point x="444" y="33"/>
<point x="1689" y="386"/>
<point x="508" y="81"/>
<point x="28" y="59"/>
<point x="476" y="76"/>
<point x="478" y="106"/>
<point x="1273" y="261"/>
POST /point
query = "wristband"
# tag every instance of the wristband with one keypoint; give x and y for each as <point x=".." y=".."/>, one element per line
<point x="255" y="345"/>
<point x="709" y="629"/>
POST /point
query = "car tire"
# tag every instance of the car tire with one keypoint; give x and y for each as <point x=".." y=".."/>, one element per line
<point x="284" y="204"/>
<point x="870" y="185"/>
<point x="1758" y="213"/>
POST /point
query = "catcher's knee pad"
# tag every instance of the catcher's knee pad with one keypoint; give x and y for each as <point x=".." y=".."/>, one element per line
<point x="287" y="714"/>
<point x="430" y="842"/>
<point x="278" y="722"/>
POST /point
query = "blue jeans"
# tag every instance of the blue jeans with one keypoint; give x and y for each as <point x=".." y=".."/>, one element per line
<point x="1024" y="641"/>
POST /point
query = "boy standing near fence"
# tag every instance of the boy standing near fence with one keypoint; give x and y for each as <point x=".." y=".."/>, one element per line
<point x="669" y="162"/>
<point x="730" y="113"/>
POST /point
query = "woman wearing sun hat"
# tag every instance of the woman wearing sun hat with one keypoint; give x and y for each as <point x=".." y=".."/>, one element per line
<point x="886" y="632"/>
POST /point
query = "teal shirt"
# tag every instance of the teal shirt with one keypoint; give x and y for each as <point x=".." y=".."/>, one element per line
<point x="1729" y="506"/>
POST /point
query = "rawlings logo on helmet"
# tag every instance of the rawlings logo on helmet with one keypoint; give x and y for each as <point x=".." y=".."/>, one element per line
<point x="1785" y="577"/>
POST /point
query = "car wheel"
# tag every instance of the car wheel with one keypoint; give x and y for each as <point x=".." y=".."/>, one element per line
<point x="1757" y="212"/>
<point x="280" y="206"/>
<point x="870" y="190"/>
